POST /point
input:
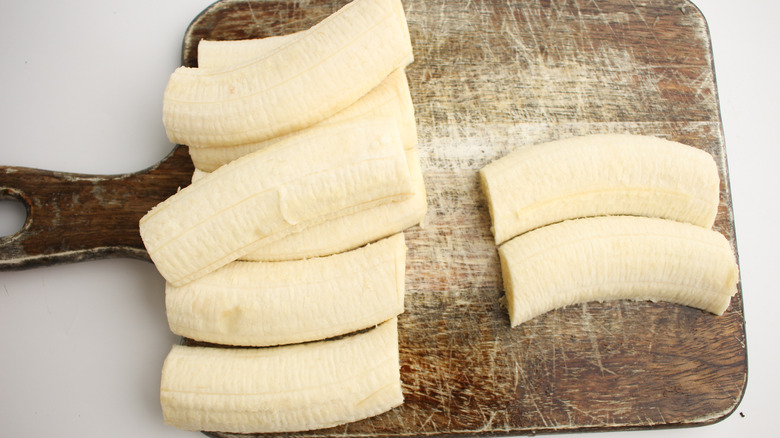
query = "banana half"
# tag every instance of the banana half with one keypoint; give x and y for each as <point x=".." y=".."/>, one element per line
<point x="595" y="175"/>
<point x="274" y="303"/>
<point x="301" y="81"/>
<point x="282" y="389"/>
<point x="390" y="99"/>
<point x="351" y="231"/>
<point x="618" y="257"/>
<point x="269" y="194"/>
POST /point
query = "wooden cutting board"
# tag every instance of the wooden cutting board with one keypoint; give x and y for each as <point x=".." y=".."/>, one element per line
<point x="489" y="76"/>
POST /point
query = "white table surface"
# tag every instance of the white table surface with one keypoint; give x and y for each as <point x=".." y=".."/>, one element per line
<point x="81" y="345"/>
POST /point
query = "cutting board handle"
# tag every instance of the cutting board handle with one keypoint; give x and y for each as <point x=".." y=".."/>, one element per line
<point x="73" y="217"/>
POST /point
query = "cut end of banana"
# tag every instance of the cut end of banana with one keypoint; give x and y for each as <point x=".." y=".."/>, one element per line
<point x="277" y="389"/>
<point x="614" y="258"/>
<point x="597" y="175"/>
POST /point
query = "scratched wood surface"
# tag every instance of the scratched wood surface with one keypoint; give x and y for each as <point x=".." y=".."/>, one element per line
<point x="490" y="76"/>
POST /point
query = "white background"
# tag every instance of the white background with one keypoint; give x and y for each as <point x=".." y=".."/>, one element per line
<point x="81" y="345"/>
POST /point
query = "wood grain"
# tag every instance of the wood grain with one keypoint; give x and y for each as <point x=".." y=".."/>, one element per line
<point x="490" y="76"/>
<point x="73" y="217"/>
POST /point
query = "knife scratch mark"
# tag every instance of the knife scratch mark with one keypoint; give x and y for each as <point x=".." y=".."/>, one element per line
<point x="489" y="422"/>
<point x="605" y="20"/>
<point x="532" y="397"/>
<point x="589" y="329"/>
<point x="650" y="28"/>
<point x="252" y="12"/>
<point x="428" y="420"/>
<point x="575" y="408"/>
<point x="704" y="86"/>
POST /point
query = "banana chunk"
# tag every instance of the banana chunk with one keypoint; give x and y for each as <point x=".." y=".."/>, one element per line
<point x="314" y="177"/>
<point x="294" y="86"/>
<point x="594" y="175"/>
<point x="617" y="257"/>
<point x="261" y="304"/>
<point x="390" y="99"/>
<point x="282" y="389"/>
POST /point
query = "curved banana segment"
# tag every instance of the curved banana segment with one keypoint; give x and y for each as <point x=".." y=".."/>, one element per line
<point x="261" y="304"/>
<point x="350" y="231"/>
<point x="617" y="257"/>
<point x="283" y="389"/>
<point x="594" y="175"/>
<point x="300" y="83"/>
<point x="221" y="54"/>
<point x="390" y="99"/>
<point x="317" y="176"/>
<point x="354" y="230"/>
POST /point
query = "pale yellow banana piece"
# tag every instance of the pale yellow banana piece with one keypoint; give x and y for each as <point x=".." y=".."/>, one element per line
<point x="617" y="257"/>
<point x="314" y="177"/>
<point x="595" y="175"/>
<point x="350" y="231"/>
<point x="222" y="54"/>
<point x="197" y="175"/>
<point x="294" y="86"/>
<point x="390" y="99"/>
<point x="280" y="389"/>
<point x="275" y="303"/>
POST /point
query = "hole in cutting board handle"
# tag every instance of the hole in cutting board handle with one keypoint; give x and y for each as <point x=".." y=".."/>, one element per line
<point x="14" y="213"/>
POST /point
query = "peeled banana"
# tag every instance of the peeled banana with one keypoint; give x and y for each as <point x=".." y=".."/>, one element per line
<point x="300" y="83"/>
<point x="390" y="99"/>
<point x="317" y="176"/>
<point x="281" y="389"/>
<point x="223" y="54"/>
<point x="198" y="175"/>
<point x="617" y="257"/>
<point x="261" y="304"/>
<point x="609" y="174"/>
<point x="354" y="230"/>
<point x="350" y="231"/>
